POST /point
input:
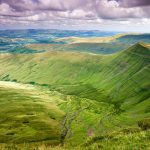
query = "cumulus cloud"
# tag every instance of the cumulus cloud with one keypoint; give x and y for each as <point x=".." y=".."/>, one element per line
<point x="55" y="11"/>
<point x="112" y="10"/>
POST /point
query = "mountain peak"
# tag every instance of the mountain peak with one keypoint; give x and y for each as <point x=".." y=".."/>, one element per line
<point x="139" y="48"/>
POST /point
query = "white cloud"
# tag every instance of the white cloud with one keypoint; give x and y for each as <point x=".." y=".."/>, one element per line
<point x="93" y="13"/>
<point x="5" y="9"/>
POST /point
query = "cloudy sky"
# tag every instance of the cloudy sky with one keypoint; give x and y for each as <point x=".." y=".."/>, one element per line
<point x="108" y="15"/>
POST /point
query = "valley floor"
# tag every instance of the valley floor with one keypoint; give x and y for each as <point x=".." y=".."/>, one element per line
<point x="36" y="114"/>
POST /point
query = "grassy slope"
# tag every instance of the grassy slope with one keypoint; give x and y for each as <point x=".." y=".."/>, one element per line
<point x="121" y="140"/>
<point x="120" y="80"/>
<point x="84" y="75"/>
<point x="117" y="141"/>
<point x="27" y="115"/>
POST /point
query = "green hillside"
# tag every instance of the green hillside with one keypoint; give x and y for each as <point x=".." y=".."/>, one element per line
<point x="80" y="74"/>
<point x="27" y="115"/>
<point x="106" y="93"/>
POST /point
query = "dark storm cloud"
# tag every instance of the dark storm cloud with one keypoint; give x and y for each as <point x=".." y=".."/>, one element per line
<point x="134" y="3"/>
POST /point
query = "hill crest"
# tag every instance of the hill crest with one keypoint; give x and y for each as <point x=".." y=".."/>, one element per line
<point x="139" y="48"/>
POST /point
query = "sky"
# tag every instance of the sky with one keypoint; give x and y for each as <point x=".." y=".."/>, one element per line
<point x="105" y="15"/>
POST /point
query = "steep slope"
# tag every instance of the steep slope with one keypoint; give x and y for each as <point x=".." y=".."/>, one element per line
<point x="113" y="89"/>
<point x="99" y="77"/>
<point x="27" y="115"/>
<point x="72" y="69"/>
<point x="131" y="69"/>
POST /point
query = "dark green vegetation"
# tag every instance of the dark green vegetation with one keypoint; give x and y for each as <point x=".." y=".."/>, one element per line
<point x="22" y="50"/>
<point x="30" y="43"/>
<point x="97" y="48"/>
<point x="134" y="38"/>
<point x="107" y="96"/>
<point x="95" y="45"/>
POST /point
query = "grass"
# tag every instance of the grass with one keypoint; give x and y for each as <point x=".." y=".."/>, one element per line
<point x="118" y="140"/>
<point x="123" y="141"/>
<point x="104" y="94"/>
<point x="89" y="76"/>
<point x="25" y="118"/>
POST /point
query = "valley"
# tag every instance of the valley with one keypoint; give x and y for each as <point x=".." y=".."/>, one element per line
<point x="74" y="74"/>
<point x="80" y="100"/>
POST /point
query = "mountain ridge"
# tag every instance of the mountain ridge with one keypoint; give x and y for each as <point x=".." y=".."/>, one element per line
<point x="112" y="89"/>
<point x="139" y="48"/>
<point x="64" y="69"/>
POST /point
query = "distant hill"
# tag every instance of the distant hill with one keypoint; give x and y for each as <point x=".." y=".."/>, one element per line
<point x="34" y="41"/>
